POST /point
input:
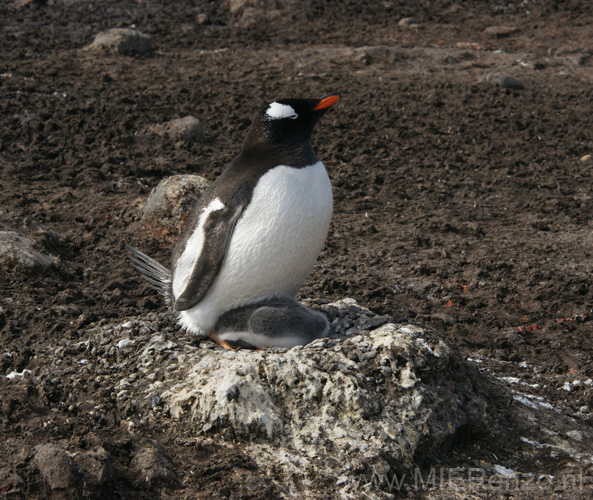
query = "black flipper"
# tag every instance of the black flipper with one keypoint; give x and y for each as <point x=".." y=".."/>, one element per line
<point x="156" y="274"/>
<point x="218" y="230"/>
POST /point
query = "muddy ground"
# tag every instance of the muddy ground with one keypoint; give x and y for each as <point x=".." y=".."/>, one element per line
<point x="459" y="204"/>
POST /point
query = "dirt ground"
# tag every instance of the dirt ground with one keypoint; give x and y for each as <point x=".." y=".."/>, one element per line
<point x="459" y="204"/>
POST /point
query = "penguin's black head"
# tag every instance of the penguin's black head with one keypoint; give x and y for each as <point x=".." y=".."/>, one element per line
<point x="288" y="121"/>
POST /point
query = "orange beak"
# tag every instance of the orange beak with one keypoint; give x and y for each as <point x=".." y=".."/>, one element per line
<point x="327" y="101"/>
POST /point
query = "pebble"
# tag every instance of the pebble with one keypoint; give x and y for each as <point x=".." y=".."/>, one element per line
<point x="372" y="54"/>
<point x="152" y="465"/>
<point x="170" y="202"/>
<point x="202" y="18"/>
<point x="124" y="342"/>
<point x="446" y="319"/>
<point x="377" y="321"/>
<point x="55" y="466"/>
<point x="187" y="129"/>
<point x="15" y="246"/>
<point x="576" y="435"/>
<point x="122" y="41"/>
<point x="587" y="159"/>
<point x="500" y="31"/>
<point x="509" y="82"/>
<point x="125" y="394"/>
<point x="410" y="23"/>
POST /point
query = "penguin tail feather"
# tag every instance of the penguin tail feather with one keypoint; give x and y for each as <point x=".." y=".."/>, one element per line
<point x="157" y="275"/>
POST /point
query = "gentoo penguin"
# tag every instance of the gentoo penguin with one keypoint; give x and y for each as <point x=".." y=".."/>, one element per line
<point x="253" y="237"/>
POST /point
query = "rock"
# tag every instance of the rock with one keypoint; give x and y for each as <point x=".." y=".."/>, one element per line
<point x="445" y="318"/>
<point x="500" y="31"/>
<point x="377" y="321"/>
<point x="409" y="23"/>
<point x="246" y="13"/>
<point x="587" y="159"/>
<point x="370" y="55"/>
<point x="202" y="18"/>
<point x="97" y="465"/>
<point x="55" y="466"/>
<point x="100" y="465"/>
<point x="471" y="229"/>
<point x="122" y="41"/>
<point x="322" y="420"/>
<point x="470" y="46"/>
<point x="512" y="336"/>
<point x="575" y="434"/>
<point x="187" y="129"/>
<point x="169" y="203"/>
<point x="577" y="56"/>
<point x="17" y="247"/>
<point x="398" y="392"/>
<point x="151" y="464"/>
<point x="509" y="82"/>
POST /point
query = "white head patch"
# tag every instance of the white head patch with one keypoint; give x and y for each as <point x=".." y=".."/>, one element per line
<point x="277" y="111"/>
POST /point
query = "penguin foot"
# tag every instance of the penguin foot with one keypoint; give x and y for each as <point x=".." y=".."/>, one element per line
<point x="241" y="344"/>
<point x="221" y="342"/>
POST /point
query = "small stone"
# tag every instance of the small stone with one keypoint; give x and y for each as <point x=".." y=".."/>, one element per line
<point x="409" y="23"/>
<point x="587" y="159"/>
<point x="446" y="319"/>
<point x="154" y="401"/>
<point x="98" y="464"/>
<point x="509" y="82"/>
<point x="245" y="13"/>
<point x="124" y="343"/>
<point x="576" y="435"/>
<point x="514" y="337"/>
<point x="500" y="31"/>
<point x="377" y="321"/>
<point x="370" y="55"/>
<point x="125" y="394"/>
<point x="17" y="247"/>
<point x="169" y="203"/>
<point x="55" y="466"/>
<point x="122" y="41"/>
<point x="471" y="229"/>
<point x="187" y="129"/>
<point x="152" y="465"/>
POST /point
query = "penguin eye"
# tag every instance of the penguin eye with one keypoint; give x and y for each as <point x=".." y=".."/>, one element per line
<point x="293" y="117"/>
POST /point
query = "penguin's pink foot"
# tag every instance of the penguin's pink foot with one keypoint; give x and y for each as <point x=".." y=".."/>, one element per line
<point x="221" y="342"/>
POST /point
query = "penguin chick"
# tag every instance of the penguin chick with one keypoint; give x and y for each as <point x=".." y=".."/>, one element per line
<point x="276" y="322"/>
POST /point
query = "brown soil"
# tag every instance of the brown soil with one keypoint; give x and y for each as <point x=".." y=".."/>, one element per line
<point x="458" y="204"/>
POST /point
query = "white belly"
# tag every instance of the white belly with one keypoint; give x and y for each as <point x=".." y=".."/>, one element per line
<point x="274" y="245"/>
